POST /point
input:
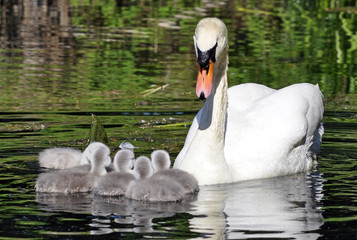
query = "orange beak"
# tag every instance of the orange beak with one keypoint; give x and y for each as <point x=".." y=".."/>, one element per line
<point x="204" y="81"/>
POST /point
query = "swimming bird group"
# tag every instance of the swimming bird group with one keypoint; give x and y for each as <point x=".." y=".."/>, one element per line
<point x="93" y="171"/>
<point x="248" y="131"/>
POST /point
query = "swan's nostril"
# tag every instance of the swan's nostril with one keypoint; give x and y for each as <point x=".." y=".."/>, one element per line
<point x="202" y="96"/>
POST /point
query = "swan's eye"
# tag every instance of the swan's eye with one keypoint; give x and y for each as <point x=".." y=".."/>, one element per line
<point x="204" y="57"/>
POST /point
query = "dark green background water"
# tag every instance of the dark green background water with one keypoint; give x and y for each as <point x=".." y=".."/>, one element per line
<point x="60" y="61"/>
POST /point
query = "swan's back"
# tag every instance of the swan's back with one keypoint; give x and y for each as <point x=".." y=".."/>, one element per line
<point x="273" y="135"/>
<point x="242" y="96"/>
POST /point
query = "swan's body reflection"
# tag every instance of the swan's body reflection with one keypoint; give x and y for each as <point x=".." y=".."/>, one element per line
<point x="284" y="207"/>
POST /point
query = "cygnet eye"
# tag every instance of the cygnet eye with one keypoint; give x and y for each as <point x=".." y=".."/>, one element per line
<point x="131" y="166"/>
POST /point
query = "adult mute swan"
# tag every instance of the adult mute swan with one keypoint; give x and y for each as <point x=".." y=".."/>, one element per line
<point x="248" y="131"/>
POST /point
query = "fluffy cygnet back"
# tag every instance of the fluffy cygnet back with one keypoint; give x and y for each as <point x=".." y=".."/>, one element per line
<point x="152" y="188"/>
<point x="161" y="163"/>
<point x="75" y="180"/>
<point x="62" y="158"/>
<point x="160" y="160"/>
<point x="59" y="158"/>
<point x="116" y="183"/>
<point x="124" y="161"/>
<point x="142" y="168"/>
<point x="88" y="153"/>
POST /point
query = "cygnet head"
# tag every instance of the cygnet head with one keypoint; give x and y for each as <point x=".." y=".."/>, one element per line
<point x="160" y="160"/>
<point x="100" y="160"/>
<point x="210" y="42"/>
<point x="124" y="161"/>
<point x="88" y="153"/>
<point x="142" y="168"/>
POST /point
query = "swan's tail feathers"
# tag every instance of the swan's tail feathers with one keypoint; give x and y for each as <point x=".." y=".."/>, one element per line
<point x="315" y="147"/>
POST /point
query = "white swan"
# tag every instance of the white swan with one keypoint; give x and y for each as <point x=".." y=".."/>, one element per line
<point x="248" y="131"/>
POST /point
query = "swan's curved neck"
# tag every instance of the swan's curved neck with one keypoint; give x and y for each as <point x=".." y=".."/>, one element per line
<point x="212" y="122"/>
<point x="205" y="155"/>
<point x="215" y="108"/>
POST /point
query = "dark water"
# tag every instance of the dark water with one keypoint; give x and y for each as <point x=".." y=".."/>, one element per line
<point x="60" y="61"/>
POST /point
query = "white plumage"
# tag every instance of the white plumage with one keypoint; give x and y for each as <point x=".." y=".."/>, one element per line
<point x="169" y="176"/>
<point x="248" y="131"/>
<point x="75" y="179"/>
<point x="115" y="183"/>
<point x="62" y="158"/>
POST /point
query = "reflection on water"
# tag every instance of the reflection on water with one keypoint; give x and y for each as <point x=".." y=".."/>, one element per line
<point x="115" y="214"/>
<point x="73" y="55"/>
<point x="284" y="207"/>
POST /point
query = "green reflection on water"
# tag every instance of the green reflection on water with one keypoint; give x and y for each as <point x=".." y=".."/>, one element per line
<point x="101" y="55"/>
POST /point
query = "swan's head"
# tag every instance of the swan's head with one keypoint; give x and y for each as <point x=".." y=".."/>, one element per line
<point x="210" y="41"/>
<point x="160" y="160"/>
<point x="124" y="160"/>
